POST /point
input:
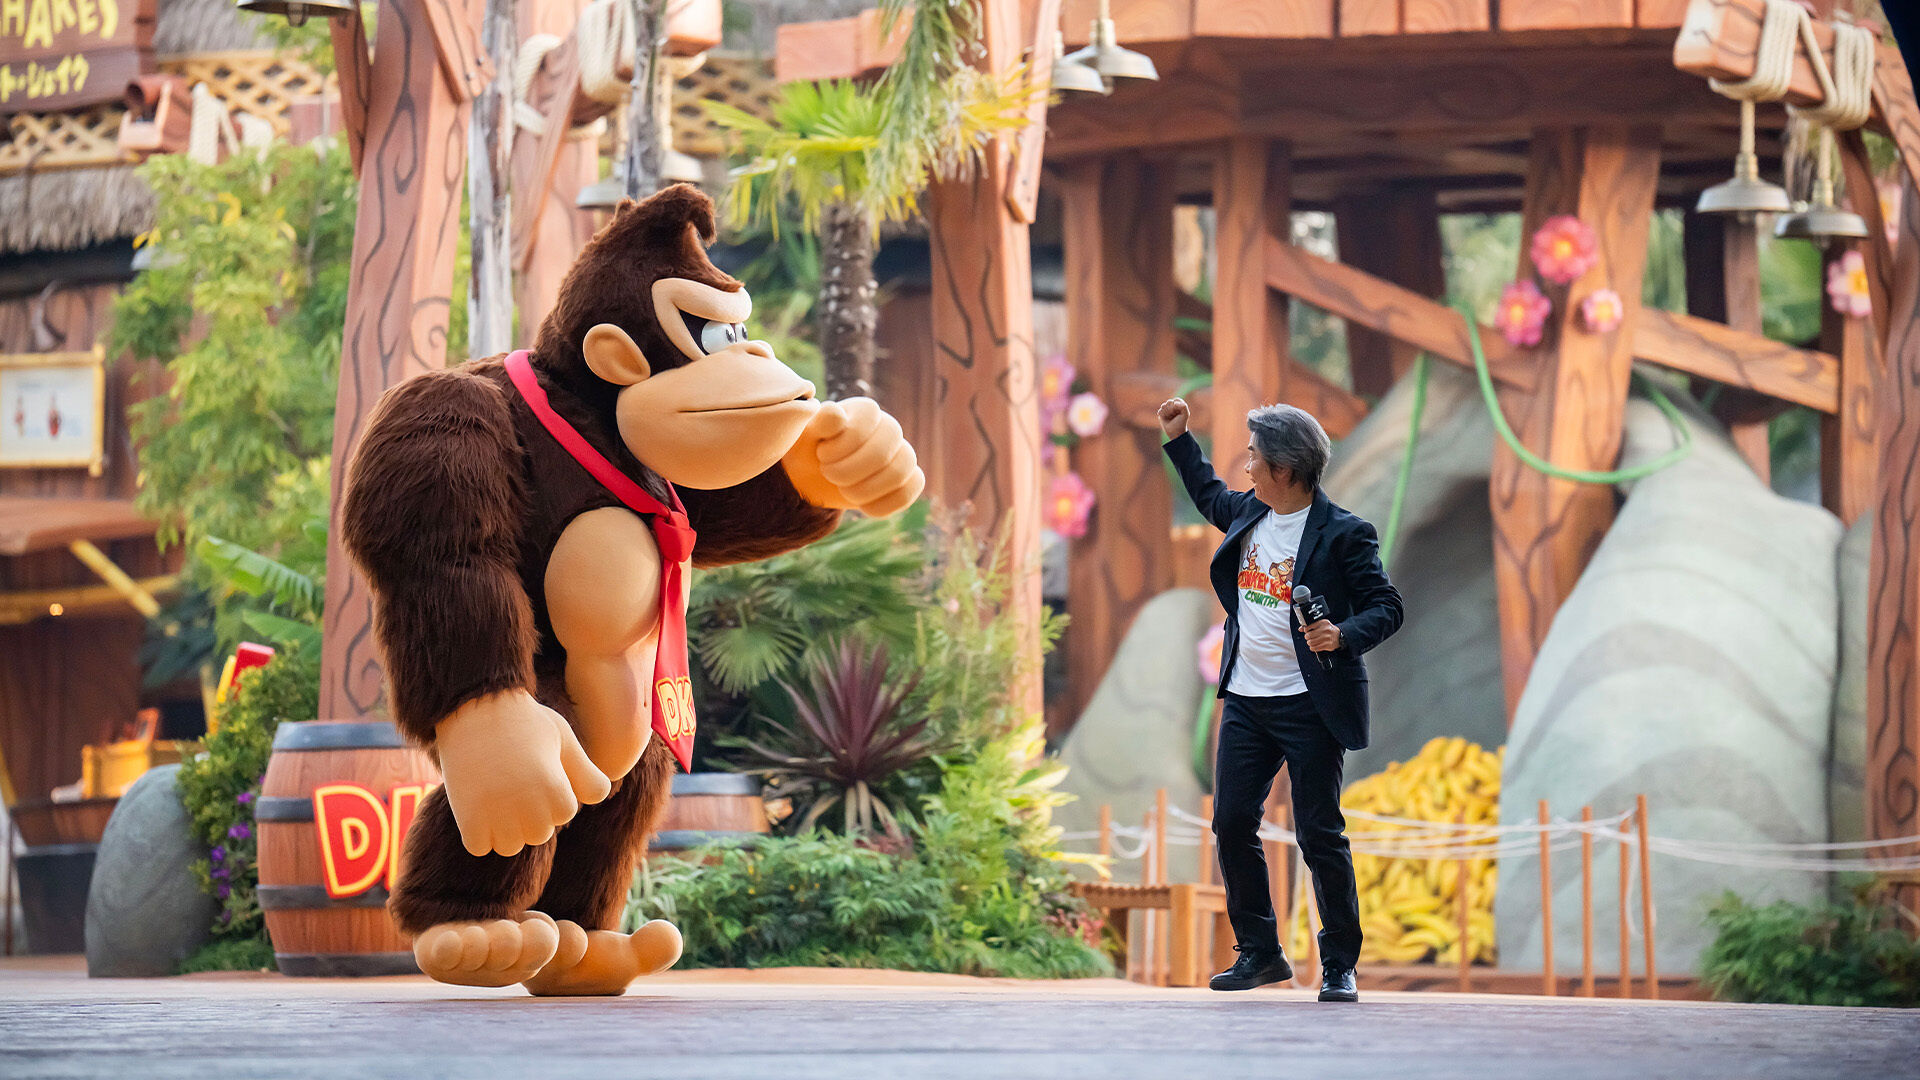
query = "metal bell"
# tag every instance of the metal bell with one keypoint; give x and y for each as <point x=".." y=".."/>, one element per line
<point x="298" y="11"/>
<point x="601" y="194"/>
<point x="1820" y="224"/>
<point x="1106" y="56"/>
<point x="1744" y="195"/>
<point x="1071" y="74"/>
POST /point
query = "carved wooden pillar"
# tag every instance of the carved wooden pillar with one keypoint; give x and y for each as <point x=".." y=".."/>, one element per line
<point x="1893" y="590"/>
<point x="1723" y="284"/>
<point x="398" y="303"/>
<point x="1392" y="234"/>
<point x="1252" y="200"/>
<point x="1118" y="226"/>
<point x="560" y="229"/>
<point x="1545" y="529"/>
<point x="987" y="408"/>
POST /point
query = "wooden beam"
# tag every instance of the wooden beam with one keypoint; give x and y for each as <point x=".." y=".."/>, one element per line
<point x="1402" y="314"/>
<point x="397" y="305"/>
<point x="1118" y="228"/>
<point x="1893" y="585"/>
<point x="1249" y="336"/>
<point x="550" y="230"/>
<point x="1715" y="351"/>
<point x="1137" y="396"/>
<point x="1723" y="285"/>
<point x="1546" y="528"/>
<point x="27" y="605"/>
<point x="1395" y="235"/>
<point x="987" y="415"/>
<point x="1849" y="444"/>
<point x="354" y="65"/>
<point x="1023" y="176"/>
<point x="536" y="155"/>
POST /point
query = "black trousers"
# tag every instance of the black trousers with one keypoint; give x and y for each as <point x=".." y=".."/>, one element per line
<point x="1257" y="735"/>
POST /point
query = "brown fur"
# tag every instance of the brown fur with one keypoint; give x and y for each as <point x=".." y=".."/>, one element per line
<point x="455" y="500"/>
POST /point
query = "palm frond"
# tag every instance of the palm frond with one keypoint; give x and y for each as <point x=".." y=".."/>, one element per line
<point x="258" y="575"/>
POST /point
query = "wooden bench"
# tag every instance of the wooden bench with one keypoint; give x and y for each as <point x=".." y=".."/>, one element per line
<point x="1192" y="909"/>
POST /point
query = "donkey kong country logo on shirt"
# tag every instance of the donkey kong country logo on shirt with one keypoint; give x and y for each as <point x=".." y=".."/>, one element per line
<point x="1270" y="587"/>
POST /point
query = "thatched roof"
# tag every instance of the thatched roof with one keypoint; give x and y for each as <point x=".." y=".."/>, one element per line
<point x="183" y="27"/>
<point x="68" y="209"/>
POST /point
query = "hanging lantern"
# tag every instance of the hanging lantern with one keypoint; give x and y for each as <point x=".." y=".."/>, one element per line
<point x="1746" y="194"/>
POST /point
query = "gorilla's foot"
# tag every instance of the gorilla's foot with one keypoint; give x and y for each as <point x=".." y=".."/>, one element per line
<point x="603" y="962"/>
<point x="494" y="952"/>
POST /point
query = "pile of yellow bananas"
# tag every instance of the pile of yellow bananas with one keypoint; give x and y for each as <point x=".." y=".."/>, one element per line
<point x="1409" y="907"/>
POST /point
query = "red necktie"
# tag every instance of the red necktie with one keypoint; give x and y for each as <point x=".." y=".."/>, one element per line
<point x="672" y="686"/>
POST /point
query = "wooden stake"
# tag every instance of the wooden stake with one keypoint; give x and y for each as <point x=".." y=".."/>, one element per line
<point x="1206" y="842"/>
<point x="1626" y="931"/>
<point x="1586" y="903"/>
<point x="1462" y="886"/>
<point x="1160" y="837"/>
<point x="1106" y="829"/>
<point x="1546" y="905"/>
<point x="1150" y="919"/>
<point x="7" y="911"/>
<point x="1646" y="895"/>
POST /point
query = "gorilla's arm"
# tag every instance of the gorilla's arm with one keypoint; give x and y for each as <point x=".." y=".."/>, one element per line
<point x="432" y="514"/>
<point x="756" y="520"/>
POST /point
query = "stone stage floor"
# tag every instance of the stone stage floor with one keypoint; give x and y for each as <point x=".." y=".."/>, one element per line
<point x="800" y="1024"/>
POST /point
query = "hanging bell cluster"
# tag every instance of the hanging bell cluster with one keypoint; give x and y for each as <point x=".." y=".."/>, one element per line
<point x="298" y="12"/>
<point x="1071" y="74"/>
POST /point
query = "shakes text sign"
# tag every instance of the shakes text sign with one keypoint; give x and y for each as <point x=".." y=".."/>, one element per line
<point x="63" y="54"/>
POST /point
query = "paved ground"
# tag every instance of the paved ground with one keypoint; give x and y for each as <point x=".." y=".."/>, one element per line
<point x="780" y="1026"/>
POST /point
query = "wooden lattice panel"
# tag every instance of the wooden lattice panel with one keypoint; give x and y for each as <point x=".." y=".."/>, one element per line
<point x="744" y="82"/>
<point x="63" y="140"/>
<point x="262" y="84"/>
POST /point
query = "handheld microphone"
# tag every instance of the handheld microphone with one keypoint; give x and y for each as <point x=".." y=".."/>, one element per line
<point x="1310" y="609"/>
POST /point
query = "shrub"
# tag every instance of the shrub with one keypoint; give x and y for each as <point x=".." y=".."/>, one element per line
<point x="1827" y="954"/>
<point x="219" y="785"/>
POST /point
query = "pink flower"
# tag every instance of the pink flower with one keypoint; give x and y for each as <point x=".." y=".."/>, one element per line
<point x="1209" y="648"/>
<point x="1086" y="415"/>
<point x="1056" y="384"/>
<point x="1602" y="310"/>
<point x="1889" y="194"/>
<point x="1847" y="286"/>
<point x="1522" y="314"/>
<point x="1564" y="248"/>
<point x="1069" y="502"/>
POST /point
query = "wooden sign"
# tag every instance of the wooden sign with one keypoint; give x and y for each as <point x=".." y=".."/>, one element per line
<point x="361" y="836"/>
<point x="62" y="54"/>
<point x="54" y="411"/>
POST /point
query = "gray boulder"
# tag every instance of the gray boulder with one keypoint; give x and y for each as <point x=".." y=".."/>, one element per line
<point x="145" y="913"/>
<point x="1136" y="735"/>
<point x="1847" y="770"/>
<point x="1440" y="674"/>
<point x="1694" y="662"/>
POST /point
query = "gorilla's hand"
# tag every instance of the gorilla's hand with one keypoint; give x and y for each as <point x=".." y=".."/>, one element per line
<point x="514" y="772"/>
<point x="853" y="456"/>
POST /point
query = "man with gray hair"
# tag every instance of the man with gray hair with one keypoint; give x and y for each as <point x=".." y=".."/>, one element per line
<point x="1284" y="706"/>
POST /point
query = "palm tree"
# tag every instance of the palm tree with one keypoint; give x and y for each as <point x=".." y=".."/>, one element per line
<point x="854" y="157"/>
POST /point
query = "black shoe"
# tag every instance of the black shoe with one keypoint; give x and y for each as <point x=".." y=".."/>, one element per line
<point x="1336" y="984"/>
<point x="1256" y="967"/>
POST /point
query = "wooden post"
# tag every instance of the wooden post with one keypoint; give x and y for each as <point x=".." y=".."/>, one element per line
<point x="1646" y="895"/>
<point x="1848" y="446"/>
<point x="1251" y="201"/>
<point x="1393" y="234"/>
<point x="1463" y="885"/>
<point x="1893" y="619"/>
<point x="1106" y="829"/>
<point x="489" y="141"/>
<point x="1118" y="231"/>
<point x="1206" y="842"/>
<point x="6" y="911"/>
<point x="1548" y="976"/>
<point x="1586" y="902"/>
<point x="1164" y="922"/>
<point x="1150" y="939"/>
<point x="1183" y="936"/>
<point x="1626" y="928"/>
<point x="397" y="305"/>
<point x="1544" y="528"/>
<point x="555" y="227"/>
<point x="987" y="414"/>
<point x="1723" y="284"/>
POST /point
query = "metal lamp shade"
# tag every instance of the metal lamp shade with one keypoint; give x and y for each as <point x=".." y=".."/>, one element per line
<point x="1820" y="224"/>
<point x="298" y="11"/>
<point x="1744" y="195"/>
<point x="601" y="194"/>
<point x="1106" y="56"/>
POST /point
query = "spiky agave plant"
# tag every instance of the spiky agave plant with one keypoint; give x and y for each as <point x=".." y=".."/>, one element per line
<point x="848" y="741"/>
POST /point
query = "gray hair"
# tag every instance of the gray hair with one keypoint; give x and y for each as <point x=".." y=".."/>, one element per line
<point x="1291" y="439"/>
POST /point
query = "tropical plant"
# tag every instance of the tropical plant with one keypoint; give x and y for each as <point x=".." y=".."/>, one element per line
<point x="218" y="786"/>
<point x="1859" y="953"/>
<point x="849" y="742"/>
<point x="855" y="156"/>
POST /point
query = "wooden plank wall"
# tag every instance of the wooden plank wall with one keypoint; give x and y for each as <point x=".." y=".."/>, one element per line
<point x="1148" y="22"/>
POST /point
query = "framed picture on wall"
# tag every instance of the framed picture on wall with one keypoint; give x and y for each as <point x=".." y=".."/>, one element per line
<point x="53" y="410"/>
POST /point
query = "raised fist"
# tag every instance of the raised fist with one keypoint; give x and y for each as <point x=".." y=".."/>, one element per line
<point x="514" y="772"/>
<point x="1173" y="417"/>
<point x="852" y="456"/>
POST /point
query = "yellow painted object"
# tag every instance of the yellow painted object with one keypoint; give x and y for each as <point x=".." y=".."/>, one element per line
<point x="107" y="771"/>
<point x="1409" y="907"/>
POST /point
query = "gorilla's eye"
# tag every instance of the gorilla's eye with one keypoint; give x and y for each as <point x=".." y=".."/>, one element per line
<point x="714" y="336"/>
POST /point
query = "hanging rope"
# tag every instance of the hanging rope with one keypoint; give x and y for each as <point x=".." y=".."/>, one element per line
<point x="1391" y="535"/>
<point x="526" y="65"/>
<point x="1683" y="434"/>
<point x="1849" y="86"/>
<point x="209" y="128"/>
<point x="605" y="35"/>
<point x="1773" y="56"/>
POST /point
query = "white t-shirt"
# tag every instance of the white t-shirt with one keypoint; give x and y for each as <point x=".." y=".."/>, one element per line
<point x="1267" y="666"/>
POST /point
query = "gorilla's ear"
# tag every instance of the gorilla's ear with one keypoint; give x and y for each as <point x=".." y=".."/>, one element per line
<point x="612" y="355"/>
<point x="663" y="215"/>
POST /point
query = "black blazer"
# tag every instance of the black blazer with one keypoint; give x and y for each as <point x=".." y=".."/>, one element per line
<point x="1339" y="559"/>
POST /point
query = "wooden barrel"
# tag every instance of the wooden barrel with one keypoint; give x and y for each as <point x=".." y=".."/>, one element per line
<point x="326" y="909"/>
<point x="710" y="807"/>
